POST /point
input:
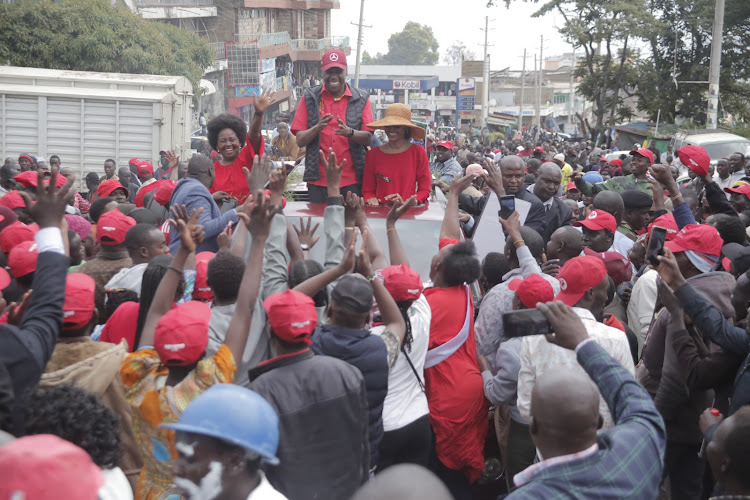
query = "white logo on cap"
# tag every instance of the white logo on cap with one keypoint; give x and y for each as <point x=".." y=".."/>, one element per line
<point x="412" y="290"/>
<point x="174" y="347"/>
<point x="67" y="314"/>
<point x="300" y="324"/>
<point x="333" y="57"/>
<point x="109" y="228"/>
<point x="563" y="284"/>
<point x="32" y="248"/>
<point x="593" y="215"/>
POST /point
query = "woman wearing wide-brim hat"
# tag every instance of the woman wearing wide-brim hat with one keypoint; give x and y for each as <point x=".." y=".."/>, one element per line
<point x="398" y="169"/>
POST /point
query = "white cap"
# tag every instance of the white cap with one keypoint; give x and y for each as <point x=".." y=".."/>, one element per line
<point x="559" y="157"/>
<point x="519" y="148"/>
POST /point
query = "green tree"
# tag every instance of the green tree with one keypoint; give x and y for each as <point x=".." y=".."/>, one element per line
<point x="456" y="53"/>
<point x="94" y="35"/>
<point x="414" y="45"/>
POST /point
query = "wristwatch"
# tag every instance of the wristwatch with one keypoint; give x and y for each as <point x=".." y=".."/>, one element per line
<point x="305" y="247"/>
<point x="351" y="132"/>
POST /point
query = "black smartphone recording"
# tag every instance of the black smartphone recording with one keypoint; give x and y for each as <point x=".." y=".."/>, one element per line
<point x="507" y="206"/>
<point x="525" y="322"/>
<point x="656" y="245"/>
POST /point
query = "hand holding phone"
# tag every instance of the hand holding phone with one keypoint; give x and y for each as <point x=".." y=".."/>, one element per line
<point x="507" y="206"/>
<point x="656" y="245"/>
<point x="525" y="322"/>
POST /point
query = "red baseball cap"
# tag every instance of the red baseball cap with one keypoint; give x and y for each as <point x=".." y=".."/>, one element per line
<point x="22" y="258"/>
<point x="532" y="290"/>
<point x="12" y="200"/>
<point x="446" y="144"/>
<point x="30" y="178"/>
<point x="618" y="267"/>
<point x="667" y="222"/>
<point x="144" y="168"/>
<point x="112" y="227"/>
<point x="292" y="316"/>
<point x="695" y="158"/>
<point x="107" y="187"/>
<point x="571" y="187"/>
<point x="617" y="162"/>
<point x="402" y="282"/>
<point x="181" y="335"/>
<point x="16" y="233"/>
<point x="134" y="161"/>
<point x="46" y="466"/>
<point x="79" y="301"/>
<point x="163" y="193"/>
<point x="597" y="220"/>
<point x="701" y="238"/>
<point x="577" y="276"/>
<point x="740" y="188"/>
<point x="333" y="58"/>
<point x="646" y="153"/>
<point x="4" y="279"/>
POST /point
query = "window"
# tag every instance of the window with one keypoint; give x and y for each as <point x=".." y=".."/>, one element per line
<point x="560" y="99"/>
<point x="252" y="13"/>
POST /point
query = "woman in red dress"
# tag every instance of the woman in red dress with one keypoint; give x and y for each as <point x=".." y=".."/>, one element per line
<point x="453" y="382"/>
<point x="398" y="168"/>
<point x="228" y="135"/>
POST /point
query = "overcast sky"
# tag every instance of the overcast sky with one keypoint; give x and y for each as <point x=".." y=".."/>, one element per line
<point x="514" y="28"/>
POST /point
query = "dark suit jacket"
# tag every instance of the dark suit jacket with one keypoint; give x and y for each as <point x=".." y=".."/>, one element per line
<point x="558" y="215"/>
<point x="535" y="218"/>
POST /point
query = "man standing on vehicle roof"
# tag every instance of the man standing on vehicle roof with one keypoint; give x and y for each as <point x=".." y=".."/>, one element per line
<point x="445" y="168"/>
<point x="333" y="116"/>
<point x="642" y="159"/>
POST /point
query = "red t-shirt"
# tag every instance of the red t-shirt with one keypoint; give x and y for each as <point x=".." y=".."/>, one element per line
<point x="122" y="325"/>
<point x="404" y="173"/>
<point x="143" y="191"/>
<point x="328" y="140"/>
<point x="230" y="178"/>
<point x="455" y="390"/>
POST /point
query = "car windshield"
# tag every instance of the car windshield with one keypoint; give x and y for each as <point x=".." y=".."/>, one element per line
<point x="418" y="237"/>
<point x="721" y="150"/>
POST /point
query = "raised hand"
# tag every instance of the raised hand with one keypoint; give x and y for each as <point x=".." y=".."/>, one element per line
<point x="494" y="178"/>
<point x="669" y="271"/>
<point x="667" y="297"/>
<point x="395" y="198"/>
<point x="567" y="326"/>
<point x="353" y="209"/>
<point x="277" y="185"/>
<point x="342" y="129"/>
<point x="265" y="99"/>
<point x="347" y="261"/>
<point x="460" y="183"/>
<point x="512" y="224"/>
<point x="225" y="238"/>
<point x="258" y="177"/>
<point x="173" y="159"/>
<point x="191" y="233"/>
<point x="363" y="263"/>
<point x="16" y="311"/>
<point x="305" y="235"/>
<point x="49" y="209"/>
<point x="332" y="168"/>
<point x="398" y="209"/>
<point x="257" y="218"/>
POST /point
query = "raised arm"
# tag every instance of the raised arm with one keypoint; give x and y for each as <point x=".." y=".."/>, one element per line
<point x="680" y="210"/>
<point x="396" y="250"/>
<point x="258" y="223"/>
<point x="261" y="103"/>
<point x="333" y="216"/>
<point x="313" y="285"/>
<point x="451" y="227"/>
<point x="191" y="235"/>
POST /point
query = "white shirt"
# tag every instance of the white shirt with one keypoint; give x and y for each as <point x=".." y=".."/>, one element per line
<point x="641" y="306"/>
<point x="724" y="183"/>
<point x="264" y="491"/>
<point x="405" y="402"/>
<point x="538" y="355"/>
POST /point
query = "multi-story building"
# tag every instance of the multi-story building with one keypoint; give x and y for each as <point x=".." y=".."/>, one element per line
<point x="257" y="44"/>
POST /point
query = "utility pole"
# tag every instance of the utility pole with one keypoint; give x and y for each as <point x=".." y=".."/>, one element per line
<point x="485" y="75"/>
<point x="712" y="117"/>
<point x="523" y="87"/>
<point x="540" y="76"/>
<point x="359" y="43"/>
<point x="537" y="110"/>
<point x="571" y="93"/>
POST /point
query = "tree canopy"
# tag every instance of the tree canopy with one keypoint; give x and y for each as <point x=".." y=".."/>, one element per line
<point x="94" y="35"/>
<point x="458" y="52"/>
<point x="414" y="45"/>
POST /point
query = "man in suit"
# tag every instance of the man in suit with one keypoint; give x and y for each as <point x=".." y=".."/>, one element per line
<point x="545" y="188"/>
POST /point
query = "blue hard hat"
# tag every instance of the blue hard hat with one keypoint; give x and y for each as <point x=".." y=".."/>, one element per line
<point x="236" y="415"/>
<point x="592" y="177"/>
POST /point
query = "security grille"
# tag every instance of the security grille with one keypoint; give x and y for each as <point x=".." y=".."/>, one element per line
<point x="243" y="64"/>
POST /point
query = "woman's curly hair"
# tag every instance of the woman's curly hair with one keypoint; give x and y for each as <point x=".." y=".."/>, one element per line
<point x="224" y="121"/>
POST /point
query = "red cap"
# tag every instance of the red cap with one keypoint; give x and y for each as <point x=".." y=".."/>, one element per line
<point x="597" y="220"/>
<point x="46" y="466"/>
<point x="12" y="200"/>
<point x="646" y="153"/>
<point x="107" y="187"/>
<point x="201" y="290"/>
<point x="446" y="144"/>
<point x="743" y="188"/>
<point x="112" y="227"/>
<point x="292" y="316"/>
<point x="181" y="335"/>
<point x="667" y="222"/>
<point x="333" y="58"/>
<point x="532" y="290"/>
<point x="4" y="279"/>
<point x="617" y="162"/>
<point x="539" y="149"/>
<point x="695" y="158"/>
<point x="618" y="267"/>
<point x="16" y="233"/>
<point x="79" y="301"/>
<point x="31" y="179"/>
<point x="22" y="258"/>
<point x="134" y="161"/>
<point x="402" y="282"/>
<point x="571" y="187"/>
<point x="702" y="238"/>
<point x="163" y="193"/>
<point x="145" y="168"/>
<point x="577" y="276"/>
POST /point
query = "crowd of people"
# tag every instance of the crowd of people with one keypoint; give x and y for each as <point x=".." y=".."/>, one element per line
<point x="167" y="335"/>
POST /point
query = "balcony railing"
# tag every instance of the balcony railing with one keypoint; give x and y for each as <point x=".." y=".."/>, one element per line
<point x="220" y="51"/>
<point x="170" y="3"/>
<point x="282" y="38"/>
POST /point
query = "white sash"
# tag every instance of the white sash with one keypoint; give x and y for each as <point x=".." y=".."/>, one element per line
<point x="442" y="352"/>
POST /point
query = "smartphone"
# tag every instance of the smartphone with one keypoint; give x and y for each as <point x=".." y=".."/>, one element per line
<point x="656" y="245"/>
<point x="507" y="206"/>
<point x="525" y="322"/>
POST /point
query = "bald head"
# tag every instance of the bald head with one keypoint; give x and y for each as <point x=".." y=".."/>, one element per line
<point x="610" y="202"/>
<point x="564" y="412"/>
<point x="564" y="244"/>
<point x="398" y="483"/>
<point x="201" y="167"/>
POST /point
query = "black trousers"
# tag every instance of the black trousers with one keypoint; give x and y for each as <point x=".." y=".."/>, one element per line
<point x="319" y="194"/>
<point x="521" y="451"/>
<point x="410" y="444"/>
<point x="685" y="470"/>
